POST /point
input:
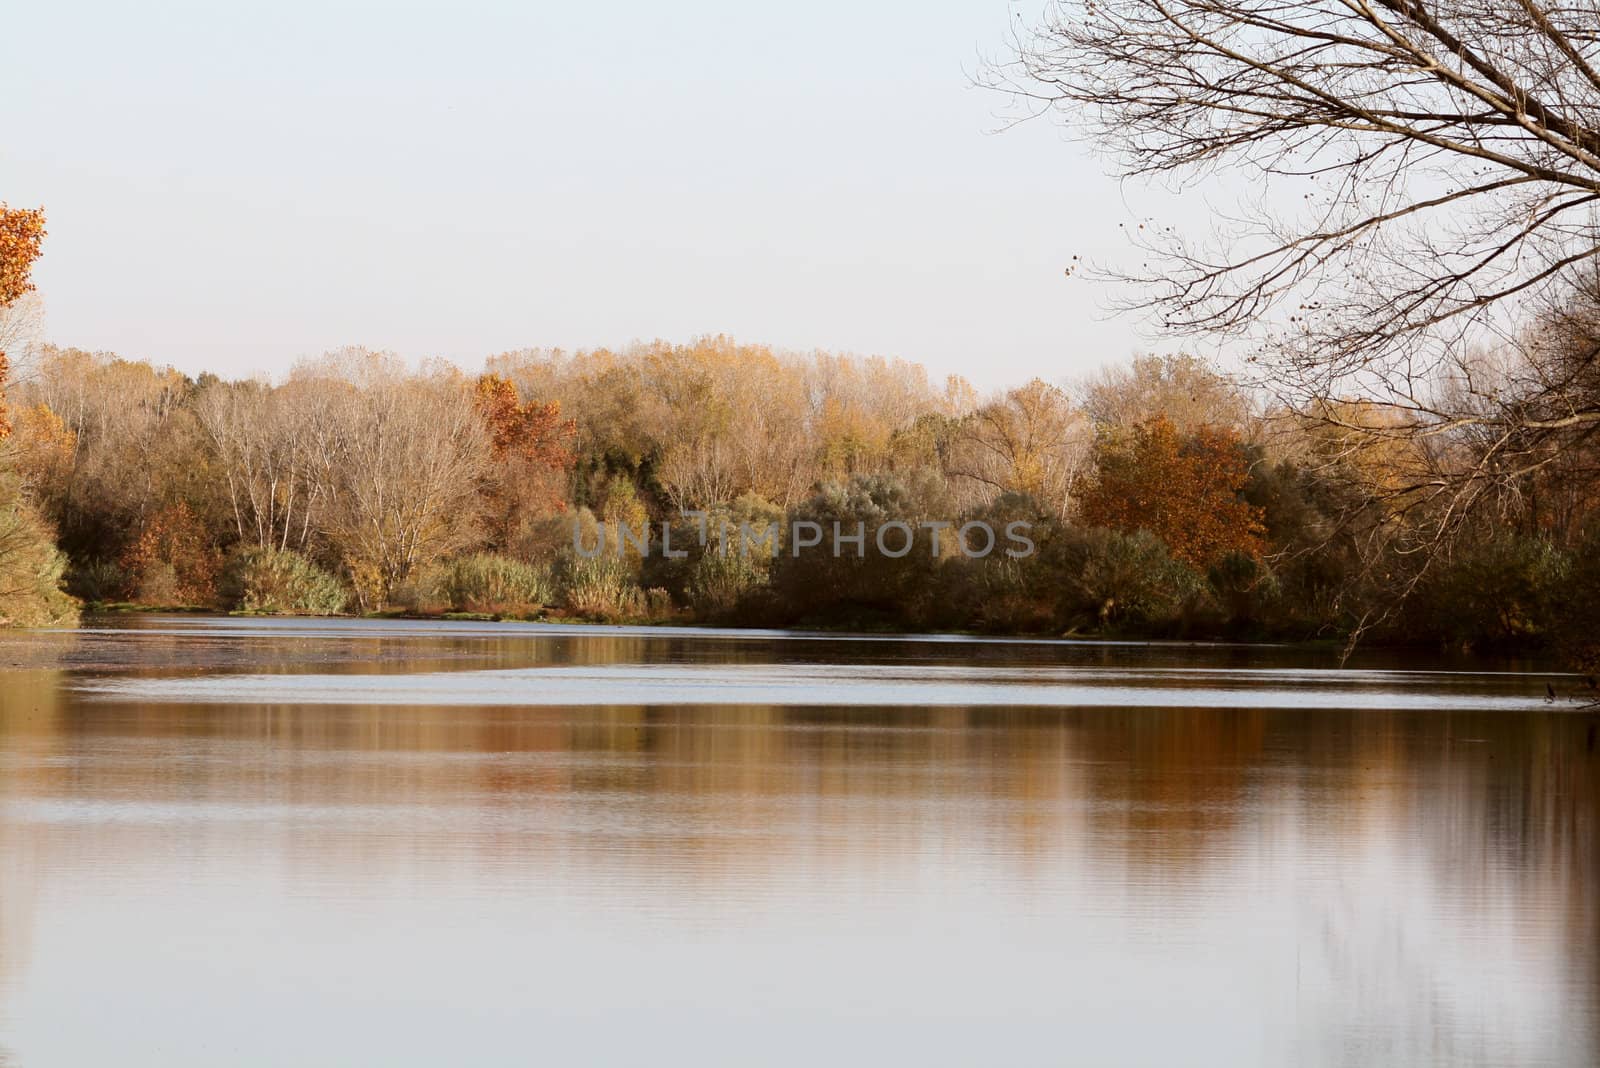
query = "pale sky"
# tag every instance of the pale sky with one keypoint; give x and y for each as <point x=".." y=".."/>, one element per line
<point x="232" y="187"/>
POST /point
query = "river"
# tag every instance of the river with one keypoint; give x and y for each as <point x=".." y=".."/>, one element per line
<point x="341" y="842"/>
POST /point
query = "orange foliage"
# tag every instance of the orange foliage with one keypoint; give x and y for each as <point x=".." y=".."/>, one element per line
<point x="533" y="432"/>
<point x="532" y="449"/>
<point x="21" y="240"/>
<point x="1185" y="490"/>
<point x="172" y="561"/>
<point x="5" y="419"/>
<point x="44" y="444"/>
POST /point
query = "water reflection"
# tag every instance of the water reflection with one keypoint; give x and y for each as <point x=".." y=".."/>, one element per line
<point x="783" y="883"/>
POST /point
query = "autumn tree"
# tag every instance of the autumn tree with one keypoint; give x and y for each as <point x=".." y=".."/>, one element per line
<point x="856" y="407"/>
<point x="400" y="462"/>
<point x="602" y="392"/>
<point x="133" y="441"/>
<point x="714" y="419"/>
<point x="31" y="568"/>
<point x="21" y="242"/>
<point x="1185" y="490"/>
<point x="258" y="435"/>
<point x="1032" y="440"/>
<point x="733" y="420"/>
<point x="1418" y="181"/>
<point x="44" y="448"/>
<point x="1186" y="389"/>
<point x="531" y="447"/>
<point x="173" y="560"/>
<point x="531" y="431"/>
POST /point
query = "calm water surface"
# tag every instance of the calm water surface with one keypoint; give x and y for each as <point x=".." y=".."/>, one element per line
<point x="242" y="842"/>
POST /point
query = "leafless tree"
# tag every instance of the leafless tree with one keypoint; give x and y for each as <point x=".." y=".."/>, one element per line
<point x="396" y="460"/>
<point x="1031" y="440"/>
<point x="1185" y="389"/>
<point x="128" y="423"/>
<point x="21" y="333"/>
<point x="262" y="438"/>
<point x="1421" y="228"/>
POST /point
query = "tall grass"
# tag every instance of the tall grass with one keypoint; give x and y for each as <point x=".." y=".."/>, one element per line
<point x="600" y="588"/>
<point x="481" y="583"/>
<point x="484" y="582"/>
<point x="279" y="582"/>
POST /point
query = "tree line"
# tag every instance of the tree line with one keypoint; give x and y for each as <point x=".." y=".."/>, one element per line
<point x="1161" y="497"/>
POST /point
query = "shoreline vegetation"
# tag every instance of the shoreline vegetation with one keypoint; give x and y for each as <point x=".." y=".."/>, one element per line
<point x="1161" y="501"/>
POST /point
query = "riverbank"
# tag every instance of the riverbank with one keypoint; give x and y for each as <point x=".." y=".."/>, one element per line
<point x="121" y="636"/>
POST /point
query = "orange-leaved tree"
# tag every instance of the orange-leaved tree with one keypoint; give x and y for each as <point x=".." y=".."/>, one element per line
<point x="533" y="432"/>
<point x="532" y="449"/>
<point x="1183" y="489"/>
<point x="21" y="240"/>
<point x="173" y="560"/>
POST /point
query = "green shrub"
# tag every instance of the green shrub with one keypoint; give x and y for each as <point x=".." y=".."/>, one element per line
<point x="1500" y="593"/>
<point x="278" y="582"/>
<point x="495" y="585"/>
<point x="1002" y="593"/>
<point x="31" y="567"/>
<point x="424" y="592"/>
<point x="1576" y="629"/>
<point x="718" y="582"/>
<point x="98" y="580"/>
<point x="713" y="575"/>
<point x="1244" y="587"/>
<point x="658" y="604"/>
<point x="1111" y="578"/>
<point x="861" y="585"/>
<point x="599" y="588"/>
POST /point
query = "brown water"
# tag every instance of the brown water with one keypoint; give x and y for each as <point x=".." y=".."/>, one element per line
<point x="228" y="842"/>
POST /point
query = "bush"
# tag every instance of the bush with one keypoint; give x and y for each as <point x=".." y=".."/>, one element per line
<point x="1244" y="587"/>
<point x="30" y="565"/>
<point x="1576" y="629"/>
<point x="98" y="580"/>
<point x="999" y="592"/>
<point x="1111" y="578"/>
<point x="158" y="584"/>
<point x="423" y="592"/>
<point x="863" y="586"/>
<point x="278" y="582"/>
<point x="713" y="578"/>
<point x="1003" y="596"/>
<point x="599" y="588"/>
<point x="718" y="582"/>
<point x="543" y="537"/>
<point x="497" y="585"/>
<point x="172" y="560"/>
<point x="658" y="604"/>
<point x="1500" y="593"/>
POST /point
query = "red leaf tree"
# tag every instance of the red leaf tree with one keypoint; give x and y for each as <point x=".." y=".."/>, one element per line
<point x="532" y="449"/>
<point x="1185" y="490"/>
